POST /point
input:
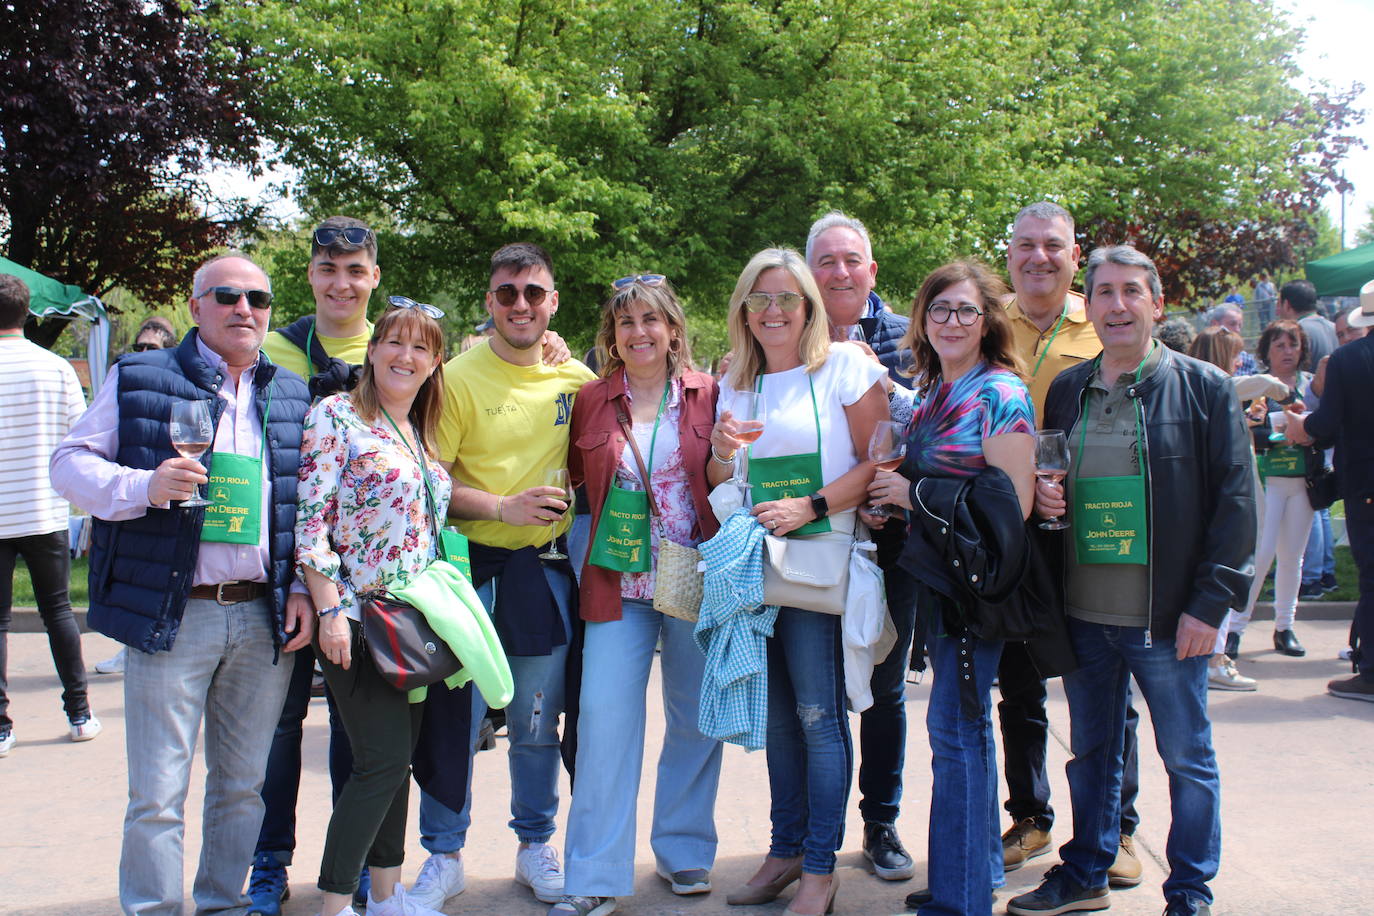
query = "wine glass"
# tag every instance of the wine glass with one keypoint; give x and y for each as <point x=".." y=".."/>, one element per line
<point x="192" y="432"/>
<point x="558" y="478"/>
<point x="748" y="408"/>
<point x="886" y="449"/>
<point x="1052" y="463"/>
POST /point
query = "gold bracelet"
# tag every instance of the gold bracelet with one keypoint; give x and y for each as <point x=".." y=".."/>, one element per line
<point x="716" y="457"/>
<point x="500" y="500"/>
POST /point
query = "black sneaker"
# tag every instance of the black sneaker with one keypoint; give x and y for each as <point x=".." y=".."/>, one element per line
<point x="1310" y="591"/>
<point x="917" y="899"/>
<point x="1329" y="584"/>
<point x="1186" y="906"/>
<point x="1060" y="894"/>
<point x="884" y="849"/>
<point x="1351" y="688"/>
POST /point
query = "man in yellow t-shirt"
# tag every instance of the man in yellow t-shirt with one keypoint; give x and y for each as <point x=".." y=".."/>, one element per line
<point x="343" y="273"/>
<point x="504" y="426"/>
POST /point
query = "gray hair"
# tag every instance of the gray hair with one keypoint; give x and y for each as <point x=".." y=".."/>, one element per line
<point x="1217" y="313"/>
<point x="1043" y="209"/>
<point x="1176" y="334"/>
<point x="837" y="220"/>
<point x="198" y="281"/>
<point x="1125" y="256"/>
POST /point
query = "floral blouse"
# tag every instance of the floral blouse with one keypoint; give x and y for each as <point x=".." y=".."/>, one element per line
<point x="362" y="514"/>
<point x="671" y="489"/>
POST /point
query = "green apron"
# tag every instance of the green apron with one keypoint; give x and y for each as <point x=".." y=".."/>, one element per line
<point x="1109" y="515"/>
<point x="453" y="545"/>
<point x="787" y="476"/>
<point x="622" y="531"/>
<point x="1283" y="461"/>
<point x="234" y="515"/>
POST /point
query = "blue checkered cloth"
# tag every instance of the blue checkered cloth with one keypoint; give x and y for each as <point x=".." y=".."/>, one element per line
<point x="731" y="631"/>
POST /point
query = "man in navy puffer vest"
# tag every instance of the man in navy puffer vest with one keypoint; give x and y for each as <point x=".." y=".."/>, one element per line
<point x="206" y="595"/>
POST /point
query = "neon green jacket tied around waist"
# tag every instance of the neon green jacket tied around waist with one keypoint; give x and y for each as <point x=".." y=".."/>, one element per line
<point x="455" y="613"/>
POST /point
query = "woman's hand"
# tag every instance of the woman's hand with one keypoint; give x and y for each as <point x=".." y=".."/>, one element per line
<point x="890" y="488"/>
<point x="1049" y="499"/>
<point x="723" y="441"/>
<point x="781" y="516"/>
<point x="336" y="639"/>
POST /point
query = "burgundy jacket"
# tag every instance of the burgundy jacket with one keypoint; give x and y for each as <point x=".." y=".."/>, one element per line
<point x="597" y="443"/>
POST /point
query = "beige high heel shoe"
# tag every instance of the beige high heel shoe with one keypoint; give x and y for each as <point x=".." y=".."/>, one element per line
<point x="829" y="900"/>
<point x="754" y="894"/>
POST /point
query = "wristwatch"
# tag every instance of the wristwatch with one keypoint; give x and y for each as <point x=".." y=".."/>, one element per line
<point x="819" y="505"/>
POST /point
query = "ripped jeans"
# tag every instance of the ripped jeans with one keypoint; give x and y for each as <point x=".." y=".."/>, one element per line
<point x="810" y="754"/>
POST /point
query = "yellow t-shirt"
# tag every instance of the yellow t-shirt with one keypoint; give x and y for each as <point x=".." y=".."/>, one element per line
<point x="503" y="427"/>
<point x="1076" y="342"/>
<point x="284" y="353"/>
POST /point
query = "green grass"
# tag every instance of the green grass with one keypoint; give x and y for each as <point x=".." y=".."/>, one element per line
<point x="23" y="587"/>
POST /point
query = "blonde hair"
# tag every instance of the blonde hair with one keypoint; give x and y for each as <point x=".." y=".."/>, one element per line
<point x="429" y="400"/>
<point x="663" y="300"/>
<point x="747" y="359"/>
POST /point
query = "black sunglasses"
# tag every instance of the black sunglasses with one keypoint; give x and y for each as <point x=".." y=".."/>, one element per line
<point x="354" y="235"/>
<point x="141" y="347"/>
<point x="646" y="279"/>
<point x="405" y="302"/>
<point x="507" y="293"/>
<point x="230" y="295"/>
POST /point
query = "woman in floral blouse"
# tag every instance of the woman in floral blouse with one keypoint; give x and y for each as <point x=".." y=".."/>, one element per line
<point x="370" y="492"/>
<point x="668" y="408"/>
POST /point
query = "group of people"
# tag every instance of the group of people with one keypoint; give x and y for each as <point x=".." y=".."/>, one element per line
<point x="341" y="452"/>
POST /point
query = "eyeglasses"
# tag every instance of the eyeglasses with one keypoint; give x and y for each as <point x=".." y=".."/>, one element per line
<point x="759" y="302"/>
<point x="967" y="314"/>
<point x="230" y="295"/>
<point x="404" y="302"/>
<point x="646" y="279"/>
<point x="141" y="347"/>
<point x="353" y="235"/>
<point x="507" y="293"/>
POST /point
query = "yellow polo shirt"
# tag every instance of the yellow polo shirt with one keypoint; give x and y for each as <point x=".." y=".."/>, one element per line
<point x="1076" y="341"/>
<point x="503" y="427"/>
<point x="352" y="350"/>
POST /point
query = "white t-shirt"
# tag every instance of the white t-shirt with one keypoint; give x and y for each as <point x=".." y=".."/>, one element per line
<point x="789" y="426"/>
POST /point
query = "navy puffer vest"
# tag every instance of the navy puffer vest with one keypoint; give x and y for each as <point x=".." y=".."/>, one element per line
<point x="142" y="569"/>
<point x="884" y="334"/>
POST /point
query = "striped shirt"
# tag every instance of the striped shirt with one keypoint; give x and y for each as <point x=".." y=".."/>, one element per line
<point x="40" y="399"/>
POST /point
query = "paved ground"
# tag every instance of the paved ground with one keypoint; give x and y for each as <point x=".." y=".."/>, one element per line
<point x="1297" y="785"/>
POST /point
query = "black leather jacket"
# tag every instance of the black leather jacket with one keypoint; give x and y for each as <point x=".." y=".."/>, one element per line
<point x="1201" y="504"/>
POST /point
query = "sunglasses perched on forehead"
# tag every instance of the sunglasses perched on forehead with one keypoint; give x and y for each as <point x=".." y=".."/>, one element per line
<point x="230" y="295"/>
<point x="353" y="235"/>
<point x="404" y="302"/>
<point x="965" y="314"/>
<point x="646" y="279"/>
<point x="507" y="293"/>
<point x="759" y="302"/>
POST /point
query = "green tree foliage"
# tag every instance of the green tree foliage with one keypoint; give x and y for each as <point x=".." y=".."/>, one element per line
<point x="681" y="137"/>
<point x="1365" y="235"/>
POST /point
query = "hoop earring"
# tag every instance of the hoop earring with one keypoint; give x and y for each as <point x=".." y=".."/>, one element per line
<point x="675" y="344"/>
<point x="613" y="354"/>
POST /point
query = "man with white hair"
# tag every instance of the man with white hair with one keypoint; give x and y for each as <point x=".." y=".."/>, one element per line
<point x="1232" y="319"/>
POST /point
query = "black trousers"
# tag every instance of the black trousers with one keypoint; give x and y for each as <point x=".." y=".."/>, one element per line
<point x="50" y="567"/>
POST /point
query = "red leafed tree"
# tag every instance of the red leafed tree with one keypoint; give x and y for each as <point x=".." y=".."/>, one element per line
<point x="110" y="111"/>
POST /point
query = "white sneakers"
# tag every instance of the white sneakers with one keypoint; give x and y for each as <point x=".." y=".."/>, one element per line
<point x="398" y="904"/>
<point x="440" y="878"/>
<point x="1223" y="675"/>
<point x="86" y="727"/>
<point x="537" y="868"/>
<point x="6" y="742"/>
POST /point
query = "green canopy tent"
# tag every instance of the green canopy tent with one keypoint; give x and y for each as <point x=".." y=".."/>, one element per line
<point x="49" y="297"/>
<point x="1343" y="274"/>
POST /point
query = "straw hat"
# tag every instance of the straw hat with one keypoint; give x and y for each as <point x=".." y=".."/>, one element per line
<point x="1363" y="316"/>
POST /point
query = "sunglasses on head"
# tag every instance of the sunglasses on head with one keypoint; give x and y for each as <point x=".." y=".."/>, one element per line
<point x="759" y="302"/>
<point x="230" y="295"/>
<point x="646" y="279"/>
<point x="404" y="302"/>
<point x="507" y="293"/>
<point x="353" y="235"/>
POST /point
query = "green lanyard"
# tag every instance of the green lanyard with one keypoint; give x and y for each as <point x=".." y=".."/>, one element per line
<point x="234" y="515"/>
<point x="424" y="469"/>
<point x="653" y="438"/>
<point x="1139" y="415"/>
<point x="622" y="539"/>
<point x="1049" y="343"/>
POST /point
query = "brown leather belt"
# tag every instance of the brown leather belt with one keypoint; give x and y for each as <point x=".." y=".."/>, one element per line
<point x="231" y="592"/>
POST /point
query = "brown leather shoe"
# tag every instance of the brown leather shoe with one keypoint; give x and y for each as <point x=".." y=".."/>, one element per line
<point x="1125" y="871"/>
<point x="1023" y="841"/>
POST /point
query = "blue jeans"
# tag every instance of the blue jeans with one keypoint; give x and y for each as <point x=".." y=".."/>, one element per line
<point x="965" y="845"/>
<point x="882" y="727"/>
<point x="616" y="659"/>
<point x="810" y="756"/>
<point x="1176" y="693"/>
<point x="1319" y="559"/>
<point x="220" y="670"/>
<point x="532" y="724"/>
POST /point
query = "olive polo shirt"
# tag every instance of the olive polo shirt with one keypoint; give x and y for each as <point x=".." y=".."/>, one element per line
<point x="1115" y="594"/>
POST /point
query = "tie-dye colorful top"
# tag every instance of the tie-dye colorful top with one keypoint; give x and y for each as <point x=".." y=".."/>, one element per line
<point x="945" y="437"/>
